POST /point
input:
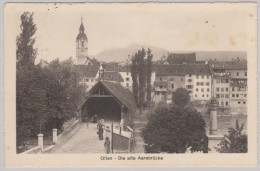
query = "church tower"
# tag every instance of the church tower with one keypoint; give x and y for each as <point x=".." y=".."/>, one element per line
<point x="81" y="46"/>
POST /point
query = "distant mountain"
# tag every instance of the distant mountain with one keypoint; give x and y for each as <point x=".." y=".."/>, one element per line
<point x="122" y="54"/>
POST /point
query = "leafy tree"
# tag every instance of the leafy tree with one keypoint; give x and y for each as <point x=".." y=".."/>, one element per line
<point x="174" y="129"/>
<point x="141" y="69"/>
<point x="235" y="141"/>
<point x="134" y="74"/>
<point x="181" y="97"/>
<point x="149" y="74"/>
<point x="45" y="96"/>
<point x="25" y="51"/>
<point x="141" y="77"/>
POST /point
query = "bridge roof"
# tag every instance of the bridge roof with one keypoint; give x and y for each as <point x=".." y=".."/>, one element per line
<point x="122" y="94"/>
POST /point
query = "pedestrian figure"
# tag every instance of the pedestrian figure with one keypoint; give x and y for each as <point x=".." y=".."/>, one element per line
<point x="107" y="145"/>
<point x="100" y="132"/>
<point x="95" y="118"/>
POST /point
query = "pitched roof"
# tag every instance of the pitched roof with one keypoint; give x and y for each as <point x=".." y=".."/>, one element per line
<point x="125" y="68"/>
<point x="181" y="58"/>
<point x="182" y="70"/>
<point x="87" y="70"/>
<point x="119" y="92"/>
<point x="111" y="67"/>
<point x="113" y="76"/>
<point x="229" y="65"/>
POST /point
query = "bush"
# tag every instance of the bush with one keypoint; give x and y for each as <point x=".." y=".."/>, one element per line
<point x="235" y="141"/>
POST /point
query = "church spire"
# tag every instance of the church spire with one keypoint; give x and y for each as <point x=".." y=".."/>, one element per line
<point x="81" y="28"/>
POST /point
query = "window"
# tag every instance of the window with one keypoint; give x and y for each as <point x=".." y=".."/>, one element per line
<point x="226" y="103"/>
<point x="237" y="73"/>
<point x="217" y="89"/>
<point x="197" y="89"/>
<point x="226" y="96"/>
<point x="245" y="74"/>
<point x="233" y="88"/>
<point x="92" y="80"/>
<point x="207" y="83"/>
<point x="195" y="95"/>
<point x="86" y="80"/>
<point x="127" y="73"/>
<point x="161" y="86"/>
<point x="222" y="89"/>
<point x="172" y="85"/>
<point x="189" y="75"/>
<point x="233" y="95"/>
<point x="226" y="80"/>
<point x="244" y="95"/>
<point x="237" y="95"/>
<point x="207" y="77"/>
<point x="202" y="76"/>
<point x="202" y="83"/>
<point x="127" y="84"/>
<point x="197" y="76"/>
<point x="127" y="79"/>
<point x="207" y="89"/>
<point x="226" y="89"/>
<point x="189" y="80"/>
<point x="160" y="78"/>
<point x="207" y="95"/>
<point x="198" y="83"/>
<point x="202" y="95"/>
<point x="189" y="86"/>
<point x="217" y="96"/>
<point x="238" y="102"/>
<point x="181" y="79"/>
<point x="171" y="79"/>
<point x="244" y="102"/>
<point x="202" y="90"/>
<point x="222" y="95"/>
<point x="222" y="103"/>
<point x="218" y="80"/>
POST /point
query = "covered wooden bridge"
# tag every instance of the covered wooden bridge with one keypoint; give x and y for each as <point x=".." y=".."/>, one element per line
<point x="109" y="101"/>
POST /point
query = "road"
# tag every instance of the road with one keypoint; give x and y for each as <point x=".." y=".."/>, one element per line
<point x="85" y="140"/>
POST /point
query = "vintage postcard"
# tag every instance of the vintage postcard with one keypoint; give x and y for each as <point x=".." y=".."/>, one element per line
<point x="130" y="84"/>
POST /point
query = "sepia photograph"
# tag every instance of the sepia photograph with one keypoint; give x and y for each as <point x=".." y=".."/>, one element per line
<point x="130" y="82"/>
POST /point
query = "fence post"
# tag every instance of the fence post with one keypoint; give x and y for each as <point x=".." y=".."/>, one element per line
<point x="40" y="141"/>
<point x="55" y="135"/>
<point x="112" y="128"/>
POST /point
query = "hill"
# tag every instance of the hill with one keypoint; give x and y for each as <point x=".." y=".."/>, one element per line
<point x="122" y="54"/>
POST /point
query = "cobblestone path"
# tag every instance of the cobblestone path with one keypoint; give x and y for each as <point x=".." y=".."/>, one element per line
<point x="85" y="140"/>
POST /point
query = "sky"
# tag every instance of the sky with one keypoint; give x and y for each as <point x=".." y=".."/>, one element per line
<point x="174" y="26"/>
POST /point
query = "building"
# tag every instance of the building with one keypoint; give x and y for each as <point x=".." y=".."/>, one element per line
<point x="182" y="58"/>
<point x="82" y="46"/>
<point x="89" y="75"/>
<point x="230" y="84"/>
<point x="193" y="77"/>
<point x="125" y="73"/>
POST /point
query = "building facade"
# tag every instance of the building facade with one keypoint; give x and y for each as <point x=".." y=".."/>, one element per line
<point x="230" y="84"/>
<point x="193" y="77"/>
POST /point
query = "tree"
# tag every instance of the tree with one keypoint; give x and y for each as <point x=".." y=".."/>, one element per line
<point x="25" y="51"/>
<point x="141" y="77"/>
<point x="174" y="129"/>
<point x="235" y="141"/>
<point x="149" y="74"/>
<point x="181" y="97"/>
<point x="141" y="69"/>
<point x="134" y="74"/>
